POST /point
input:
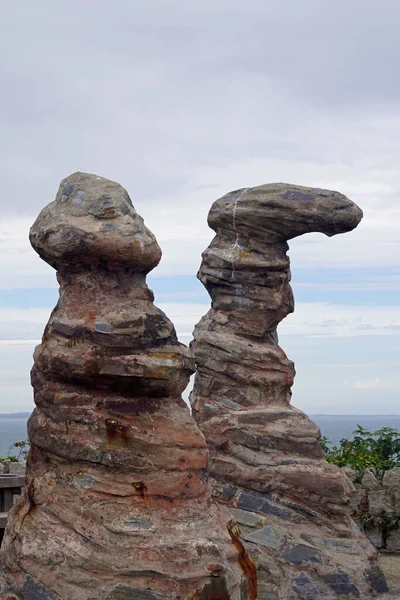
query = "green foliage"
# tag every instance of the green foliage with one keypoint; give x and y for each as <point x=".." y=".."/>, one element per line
<point x="379" y="449"/>
<point x="23" y="449"/>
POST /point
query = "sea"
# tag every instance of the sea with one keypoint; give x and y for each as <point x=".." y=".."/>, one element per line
<point x="11" y="430"/>
<point x="335" y="427"/>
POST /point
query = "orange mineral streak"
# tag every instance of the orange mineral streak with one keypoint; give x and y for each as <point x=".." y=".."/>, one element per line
<point x="245" y="563"/>
<point x="117" y="431"/>
<point x="141" y="491"/>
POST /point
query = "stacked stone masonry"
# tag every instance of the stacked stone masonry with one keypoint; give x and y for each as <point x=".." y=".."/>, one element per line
<point x="376" y="506"/>
<point x="117" y="502"/>
<point x="292" y="507"/>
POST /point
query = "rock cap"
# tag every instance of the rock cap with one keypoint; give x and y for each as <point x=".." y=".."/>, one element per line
<point x="92" y="222"/>
<point x="277" y="212"/>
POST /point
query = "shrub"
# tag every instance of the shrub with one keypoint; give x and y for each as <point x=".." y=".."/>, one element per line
<point x="379" y="449"/>
<point x="23" y="449"/>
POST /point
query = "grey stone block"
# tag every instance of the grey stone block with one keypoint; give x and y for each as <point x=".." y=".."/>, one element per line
<point x="377" y="580"/>
<point x="17" y="468"/>
<point x="369" y="481"/>
<point x="139" y="523"/>
<point x="393" y="542"/>
<point x="391" y="479"/>
<point x="229" y="491"/>
<point x="381" y="501"/>
<point x="126" y="592"/>
<point x="247" y="518"/>
<point x="375" y="537"/>
<point x="6" y="466"/>
<point x="341" y="584"/>
<point x="301" y="553"/>
<point x="358" y="500"/>
<point x="260" y="503"/>
<point x="350" y="473"/>
<point x="266" y="595"/>
<point x="314" y="540"/>
<point x="33" y="590"/>
<point x="307" y="588"/>
<point x="270" y="536"/>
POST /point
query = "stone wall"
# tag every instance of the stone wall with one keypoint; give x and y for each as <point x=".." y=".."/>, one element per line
<point x="376" y="505"/>
<point x="8" y="467"/>
<point x="376" y="501"/>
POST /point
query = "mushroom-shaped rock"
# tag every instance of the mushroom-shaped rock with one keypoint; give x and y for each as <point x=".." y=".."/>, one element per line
<point x="265" y="458"/>
<point x="92" y="222"/>
<point x="277" y="212"/>
<point x="117" y="502"/>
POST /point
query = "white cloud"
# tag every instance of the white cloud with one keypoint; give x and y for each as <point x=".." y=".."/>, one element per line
<point x="322" y="319"/>
<point x="372" y="384"/>
<point x="20" y="266"/>
<point x="180" y="104"/>
<point x="311" y="319"/>
<point x="21" y="324"/>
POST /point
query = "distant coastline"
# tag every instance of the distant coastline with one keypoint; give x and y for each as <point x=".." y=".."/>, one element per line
<point x="354" y="415"/>
<point x="18" y="415"/>
<point x="24" y="415"/>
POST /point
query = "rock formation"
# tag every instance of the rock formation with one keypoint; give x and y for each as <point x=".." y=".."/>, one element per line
<point x="265" y="459"/>
<point x="117" y="503"/>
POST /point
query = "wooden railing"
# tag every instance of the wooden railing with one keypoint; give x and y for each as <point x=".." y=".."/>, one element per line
<point x="10" y="487"/>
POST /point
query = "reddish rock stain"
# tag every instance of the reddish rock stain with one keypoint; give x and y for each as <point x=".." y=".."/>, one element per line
<point x="141" y="490"/>
<point x="245" y="563"/>
<point x="115" y="432"/>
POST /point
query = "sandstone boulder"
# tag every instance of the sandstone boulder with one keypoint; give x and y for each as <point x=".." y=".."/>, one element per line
<point x="117" y="503"/>
<point x="293" y="508"/>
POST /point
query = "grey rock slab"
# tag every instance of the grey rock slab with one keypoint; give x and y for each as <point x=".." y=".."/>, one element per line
<point x="126" y="592"/>
<point x="341" y="584"/>
<point x="381" y="501"/>
<point x="266" y="595"/>
<point x="17" y="468"/>
<point x="369" y="481"/>
<point x="342" y="545"/>
<point x="301" y="553"/>
<point x="393" y="542"/>
<point x="391" y="479"/>
<point x="247" y="518"/>
<point x="33" y="590"/>
<point x="350" y="473"/>
<point x="314" y="540"/>
<point x="258" y="502"/>
<point x="308" y="588"/>
<point x="377" y="580"/>
<point x="269" y="536"/>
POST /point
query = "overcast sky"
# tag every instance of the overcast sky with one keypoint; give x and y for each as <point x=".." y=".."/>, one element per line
<point x="181" y="101"/>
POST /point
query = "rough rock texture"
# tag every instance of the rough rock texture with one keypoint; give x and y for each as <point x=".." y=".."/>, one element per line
<point x="377" y="504"/>
<point x="117" y="502"/>
<point x="291" y="506"/>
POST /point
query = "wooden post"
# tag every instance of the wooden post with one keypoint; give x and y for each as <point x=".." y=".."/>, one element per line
<point x="10" y="487"/>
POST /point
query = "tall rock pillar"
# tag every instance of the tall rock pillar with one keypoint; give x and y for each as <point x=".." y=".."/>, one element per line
<point x="291" y="506"/>
<point x="117" y="503"/>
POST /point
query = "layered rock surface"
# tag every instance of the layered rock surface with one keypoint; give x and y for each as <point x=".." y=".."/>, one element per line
<point x="266" y="462"/>
<point x="117" y="503"/>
